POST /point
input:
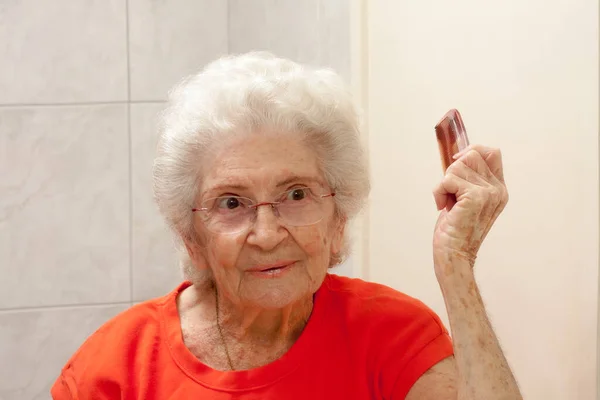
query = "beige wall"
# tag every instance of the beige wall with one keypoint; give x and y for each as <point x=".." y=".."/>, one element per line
<point x="524" y="74"/>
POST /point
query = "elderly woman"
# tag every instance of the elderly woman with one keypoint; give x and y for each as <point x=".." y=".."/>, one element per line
<point x="259" y="169"/>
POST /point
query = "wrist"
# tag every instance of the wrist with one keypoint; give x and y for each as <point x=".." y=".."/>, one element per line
<point x="454" y="265"/>
<point x="459" y="288"/>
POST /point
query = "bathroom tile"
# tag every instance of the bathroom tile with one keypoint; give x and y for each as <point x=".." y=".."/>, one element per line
<point x="169" y="40"/>
<point x="154" y="262"/>
<point x="62" y="51"/>
<point x="334" y="35"/>
<point x="36" y="344"/>
<point x="287" y="28"/>
<point x="316" y="32"/>
<point x="64" y="209"/>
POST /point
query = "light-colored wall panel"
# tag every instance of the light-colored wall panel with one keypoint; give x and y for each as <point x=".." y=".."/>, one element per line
<point x="64" y="209"/>
<point x="154" y="262"/>
<point x="63" y="51"/>
<point x="525" y="77"/>
<point x="169" y="40"/>
<point x="316" y="32"/>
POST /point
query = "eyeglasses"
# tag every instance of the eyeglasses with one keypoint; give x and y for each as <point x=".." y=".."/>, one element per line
<point x="300" y="206"/>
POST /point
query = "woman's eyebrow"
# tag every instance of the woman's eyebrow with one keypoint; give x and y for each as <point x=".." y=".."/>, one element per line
<point x="244" y="187"/>
<point x="224" y="187"/>
<point x="297" y="178"/>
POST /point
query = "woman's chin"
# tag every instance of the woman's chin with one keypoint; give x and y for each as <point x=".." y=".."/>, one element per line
<point x="278" y="294"/>
<point x="277" y="297"/>
<point x="283" y="289"/>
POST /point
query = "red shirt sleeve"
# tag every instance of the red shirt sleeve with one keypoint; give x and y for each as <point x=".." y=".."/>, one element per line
<point x="64" y="388"/>
<point x="429" y="355"/>
<point x="408" y="339"/>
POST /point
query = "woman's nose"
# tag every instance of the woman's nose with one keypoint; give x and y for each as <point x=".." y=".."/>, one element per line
<point x="267" y="231"/>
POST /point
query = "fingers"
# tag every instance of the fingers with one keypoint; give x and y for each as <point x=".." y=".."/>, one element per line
<point x="472" y="168"/>
<point x="461" y="180"/>
<point x="446" y="192"/>
<point x="442" y="199"/>
<point x="477" y="174"/>
<point x="491" y="156"/>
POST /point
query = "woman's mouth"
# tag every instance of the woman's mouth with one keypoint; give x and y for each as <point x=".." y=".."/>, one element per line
<point x="271" y="270"/>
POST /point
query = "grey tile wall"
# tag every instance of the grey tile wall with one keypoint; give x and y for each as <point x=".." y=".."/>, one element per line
<point x="81" y="82"/>
<point x="64" y="214"/>
<point x="310" y="31"/>
<point x="62" y="51"/>
<point x="172" y="39"/>
<point x="154" y="263"/>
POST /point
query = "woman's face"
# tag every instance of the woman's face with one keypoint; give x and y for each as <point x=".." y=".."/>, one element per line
<point x="245" y="264"/>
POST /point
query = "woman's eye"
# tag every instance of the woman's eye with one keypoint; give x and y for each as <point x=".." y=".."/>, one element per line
<point x="298" y="194"/>
<point x="229" y="203"/>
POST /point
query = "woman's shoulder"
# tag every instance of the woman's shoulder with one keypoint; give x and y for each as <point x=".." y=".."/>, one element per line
<point x="393" y="326"/>
<point x="356" y="289"/>
<point x="371" y="302"/>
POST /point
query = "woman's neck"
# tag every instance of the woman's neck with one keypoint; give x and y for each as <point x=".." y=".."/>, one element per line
<point x="247" y="324"/>
<point x="250" y="336"/>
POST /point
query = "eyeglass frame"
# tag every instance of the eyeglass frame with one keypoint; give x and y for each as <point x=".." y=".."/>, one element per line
<point x="274" y="206"/>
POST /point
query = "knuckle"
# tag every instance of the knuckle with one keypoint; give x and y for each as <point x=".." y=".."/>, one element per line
<point x="491" y="194"/>
<point x="496" y="194"/>
<point x="453" y="167"/>
<point x="505" y="196"/>
<point x="449" y="177"/>
<point x="472" y="154"/>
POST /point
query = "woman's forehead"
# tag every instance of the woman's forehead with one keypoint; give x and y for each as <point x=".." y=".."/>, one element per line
<point x="263" y="162"/>
<point x="259" y="182"/>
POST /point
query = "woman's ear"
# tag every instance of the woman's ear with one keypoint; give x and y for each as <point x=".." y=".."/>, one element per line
<point x="337" y="242"/>
<point x="195" y="253"/>
<point x="194" y="267"/>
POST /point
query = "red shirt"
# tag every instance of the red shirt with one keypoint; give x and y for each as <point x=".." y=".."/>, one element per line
<point x="362" y="341"/>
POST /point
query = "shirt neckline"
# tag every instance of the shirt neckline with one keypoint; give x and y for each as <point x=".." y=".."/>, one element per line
<point x="248" y="379"/>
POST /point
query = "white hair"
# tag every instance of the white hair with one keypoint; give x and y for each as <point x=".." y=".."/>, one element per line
<point x="248" y="93"/>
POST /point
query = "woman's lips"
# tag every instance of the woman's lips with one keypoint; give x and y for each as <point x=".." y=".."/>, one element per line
<point x="272" y="270"/>
<point x="267" y="267"/>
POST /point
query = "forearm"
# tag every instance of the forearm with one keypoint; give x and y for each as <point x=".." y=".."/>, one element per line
<point x="483" y="371"/>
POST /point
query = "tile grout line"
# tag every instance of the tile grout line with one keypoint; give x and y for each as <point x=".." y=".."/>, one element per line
<point x="127" y="51"/>
<point x="12" y="310"/>
<point x="228" y="22"/>
<point x="75" y="104"/>
<point x="128" y="62"/>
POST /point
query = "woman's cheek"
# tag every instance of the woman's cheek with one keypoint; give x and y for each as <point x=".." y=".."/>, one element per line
<point x="225" y="249"/>
<point x="314" y="240"/>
